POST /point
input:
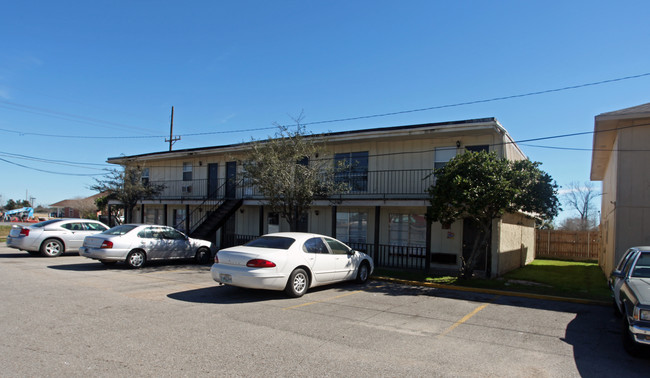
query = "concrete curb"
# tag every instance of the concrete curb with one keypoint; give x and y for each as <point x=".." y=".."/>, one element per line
<point x="494" y="292"/>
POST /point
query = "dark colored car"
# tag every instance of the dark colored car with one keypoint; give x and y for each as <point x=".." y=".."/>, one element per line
<point x="630" y="285"/>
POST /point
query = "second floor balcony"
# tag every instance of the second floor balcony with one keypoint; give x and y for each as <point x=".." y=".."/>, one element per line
<point x="387" y="184"/>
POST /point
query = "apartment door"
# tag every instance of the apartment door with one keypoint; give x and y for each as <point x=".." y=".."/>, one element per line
<point x="213" y="179"/>
<point x="231" y="179"/>
<point x="470" y="232"/>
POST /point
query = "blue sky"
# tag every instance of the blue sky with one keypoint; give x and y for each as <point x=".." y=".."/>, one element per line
<point x="115" y="69"/>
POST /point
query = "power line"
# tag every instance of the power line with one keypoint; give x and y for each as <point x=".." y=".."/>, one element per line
<point x="52" y="172"/>
<point x="59" y="162"/>
<point x="494" y="99"/>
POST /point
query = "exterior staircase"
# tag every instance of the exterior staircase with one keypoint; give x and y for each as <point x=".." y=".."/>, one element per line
<point x="216" y="219"/>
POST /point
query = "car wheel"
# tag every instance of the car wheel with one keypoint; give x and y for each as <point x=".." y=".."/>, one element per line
<point x="203" y="256"/>
<point x="363" y="273"/>
<point x="51" y="248"/>
<point x="108" y="262"/>
<point x="297" y="284"/>
<point x="136" y="259"/>
<point x="631" y="346"/>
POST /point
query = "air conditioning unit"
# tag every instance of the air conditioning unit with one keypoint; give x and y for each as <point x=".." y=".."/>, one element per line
<point x="186" y="189"/>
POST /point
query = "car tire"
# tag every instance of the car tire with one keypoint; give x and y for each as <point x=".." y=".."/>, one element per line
<point x="136" y="259"/>
<point x="51" y="248"/>
<point x="108" y="262"/>
<point x="630" y="346"/>
<point x="298" y="283"/>
<point x="203" y="256"/>
<point x="363" y="273"/>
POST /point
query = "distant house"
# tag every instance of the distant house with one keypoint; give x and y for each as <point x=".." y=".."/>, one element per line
<point x="621" y="160"/>
<point x="72" y="208"/>
<point x="383" y="213"/>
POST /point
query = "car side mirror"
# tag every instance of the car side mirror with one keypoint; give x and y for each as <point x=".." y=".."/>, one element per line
<point x="617" y="274"/>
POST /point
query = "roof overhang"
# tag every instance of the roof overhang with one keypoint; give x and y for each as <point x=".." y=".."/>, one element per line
<point x="466" y="127"/>
<point x="606" y="128"/>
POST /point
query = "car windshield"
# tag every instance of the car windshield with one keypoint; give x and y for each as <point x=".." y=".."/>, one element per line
<point x="642" y="266"/>
<point x="120" y="230"/>
<point x="276" y="242"/>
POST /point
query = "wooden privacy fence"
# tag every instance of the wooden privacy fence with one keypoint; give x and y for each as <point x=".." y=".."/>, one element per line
<point x="568" y="245"/>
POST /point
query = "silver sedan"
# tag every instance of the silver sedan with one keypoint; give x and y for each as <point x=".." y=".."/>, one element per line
<point x="53" y="237"/>
<point x="135" y="244"/>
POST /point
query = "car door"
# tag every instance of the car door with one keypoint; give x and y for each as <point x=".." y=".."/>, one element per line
<point x="343" y="260"/>
<point x="178" y="243"/>
<point x="320" y="259"/>
<point x="153" y="242"/>
<point x="74" y="235"/>
<point x="624" y="268"/>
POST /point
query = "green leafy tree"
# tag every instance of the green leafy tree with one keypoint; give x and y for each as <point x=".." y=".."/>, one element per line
<point x="285" y="171"/>
<point x="481" y="187"/>
<point x="127" y="187"/>
<point x="12" y="204"/>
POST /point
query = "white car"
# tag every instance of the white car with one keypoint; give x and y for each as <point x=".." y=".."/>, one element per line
<point x="135" y="244"/>
<point x="290" y="261"/>
<point x="53" y="237"/>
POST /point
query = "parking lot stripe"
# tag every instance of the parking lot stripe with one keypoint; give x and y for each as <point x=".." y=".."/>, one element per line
<point x="466" y="317"/>
<point x="321" y="301"/>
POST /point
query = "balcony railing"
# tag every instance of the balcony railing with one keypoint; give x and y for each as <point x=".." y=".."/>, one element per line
<point x="388" y="184"/>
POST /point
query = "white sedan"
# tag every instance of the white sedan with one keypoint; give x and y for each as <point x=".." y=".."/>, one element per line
<point x="136" y="244"/>
<point x="290" y="261"/>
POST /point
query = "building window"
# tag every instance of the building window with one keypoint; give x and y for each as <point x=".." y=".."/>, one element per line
<point x="352" y="168"/>
<point x="351" y="227"/>
<point x="408" y="230"/>
<point x="478" y="148"/>
<point x="145" y="176"/>
<point x="187" y="171"/>
<point x="443" y="155"/>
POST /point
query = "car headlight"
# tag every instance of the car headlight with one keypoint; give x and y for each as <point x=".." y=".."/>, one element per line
<point x="641" y="314"/>
<point x="644" y="315"/>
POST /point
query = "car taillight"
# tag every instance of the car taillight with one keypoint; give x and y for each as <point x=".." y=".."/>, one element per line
<point x="24" y="232"/>
<point x="216" y="258"/>
<point x="107" y="244"/>
<point x="259" y="263"/>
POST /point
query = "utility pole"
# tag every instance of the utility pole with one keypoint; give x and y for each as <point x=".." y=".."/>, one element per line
<point x="172" y="138"/>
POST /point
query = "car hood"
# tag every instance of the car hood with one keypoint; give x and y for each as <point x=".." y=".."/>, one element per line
<point x="241" y="255"/>
<point x="641" y="287"/>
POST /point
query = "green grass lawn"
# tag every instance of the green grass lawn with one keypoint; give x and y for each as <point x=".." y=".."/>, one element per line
<point x="571" y="279"/>
<point x="4" y="231"/>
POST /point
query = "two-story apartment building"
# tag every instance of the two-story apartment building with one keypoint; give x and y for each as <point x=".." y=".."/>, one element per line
<point x="383" y="212"/>
<point x="621" y="159"/>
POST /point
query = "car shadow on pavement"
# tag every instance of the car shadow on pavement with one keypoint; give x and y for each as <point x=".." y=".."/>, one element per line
<point x="597" y="336"/>
<point x="152" y="266"/>
<point x="224" y="294"/>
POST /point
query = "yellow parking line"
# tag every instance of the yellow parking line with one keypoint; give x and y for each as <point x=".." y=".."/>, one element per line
<point x="466" y="317"/>
<point x="324" y="300"/>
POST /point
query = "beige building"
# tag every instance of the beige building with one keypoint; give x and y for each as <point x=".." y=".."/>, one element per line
<point x="383" y="213"/>
<point x="621" y="160"/>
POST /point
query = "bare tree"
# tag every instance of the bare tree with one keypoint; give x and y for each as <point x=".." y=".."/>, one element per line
<point x="582" y="198"/>
<point x="126" y="186"/>
<point x="86" y="206"/>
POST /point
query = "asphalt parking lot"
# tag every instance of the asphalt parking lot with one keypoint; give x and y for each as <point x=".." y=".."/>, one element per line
<point x="70" y="316"/>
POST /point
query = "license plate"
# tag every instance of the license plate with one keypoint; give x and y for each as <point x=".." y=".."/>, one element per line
<point x="225" y="278"/>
